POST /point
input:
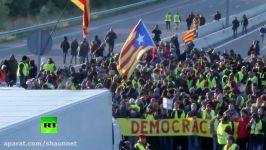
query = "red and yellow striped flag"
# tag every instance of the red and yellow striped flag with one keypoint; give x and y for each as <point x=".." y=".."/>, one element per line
<point x="137" y="44"/>
<point x="84" y="5"/>
<point x="190" y="35"/>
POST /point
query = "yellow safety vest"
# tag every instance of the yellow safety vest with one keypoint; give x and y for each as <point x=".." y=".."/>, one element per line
<point x="49" y="67"/>
<point x="149" y="117"/>
<point x="232" y="147"/>
<point x="183" y="115"/>
<point x="216" y="122"/>
<point x="189" y="83"/>
<point x="257" y="129"/>
<point x="139" y="146"/>
<point x="242" y="101"/>
<point x="177" y="19"/>
<point x="263" y="80"/>
<point x="204" y="114"/>
<point x="240" y="76"/>
<point x="224" y="83"/>
<point x="200" y="84"/>
<point x="135" y="106"/>
<point x="168" y="17"/>
<point x="221" y="134"/>
<point x="211" y="83"/>
<point x="25" y="69"/>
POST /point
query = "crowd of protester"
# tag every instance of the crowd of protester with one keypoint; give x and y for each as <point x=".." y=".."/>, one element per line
<point x="202" y="83"/>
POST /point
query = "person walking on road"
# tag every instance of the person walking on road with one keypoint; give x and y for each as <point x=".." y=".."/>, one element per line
<point x="262" y="33"/>
<point x="74" y="50"/>
<point x="65" y="46"/>
<point x="244" y="23"/>
<point x="235" y="25"/>
<point x="168" y="19"/>
<point x="110" y="40"/>
<point x="83" y="51"/>
<point x="177" y="20"/>
<point x="156" y="34"/>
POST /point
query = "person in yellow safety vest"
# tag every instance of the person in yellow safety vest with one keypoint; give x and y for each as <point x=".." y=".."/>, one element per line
<point x="211" y="81"/>
<point x="23" y="71"/>
<point x="50" y="66"/>
<point x="149" y="114"/>
<point x="177" y="20"/>
<point x="177" y="112"/>
<point x="241" y="74"/>
<point x="223" y="130"/>
<point x="256" y="133"/>
<point x="231" y="144"/>
<point x="133" y="105"/>
<point x="224" y="80"/>
<point x="168" y="19"/>
<point x="263" y="78"/>
<point x="213" y="128"/>
<point x="240" y="101"/>
<point x="200" y="82"/>
<point x="253" y="78"/>
<point x="208" y="113"/>
<point x="141" y="143"/>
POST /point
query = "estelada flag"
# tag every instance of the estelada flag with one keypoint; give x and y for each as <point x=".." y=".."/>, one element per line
<point x="84" y="5"/>
<point x="138" y="43"/>
<point x="190" y="35"/>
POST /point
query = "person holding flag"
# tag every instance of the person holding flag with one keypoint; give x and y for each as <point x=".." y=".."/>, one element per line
<point x="138" y="43"/>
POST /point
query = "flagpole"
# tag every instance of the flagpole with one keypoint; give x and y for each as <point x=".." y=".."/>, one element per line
<point x="60" y="17"/>
<point x="57" y="22"/>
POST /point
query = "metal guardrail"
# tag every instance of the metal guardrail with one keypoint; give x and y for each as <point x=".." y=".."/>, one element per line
<point x="74" y="19"/>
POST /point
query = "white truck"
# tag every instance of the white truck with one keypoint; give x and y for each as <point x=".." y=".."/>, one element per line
<point x="57" y="119"/>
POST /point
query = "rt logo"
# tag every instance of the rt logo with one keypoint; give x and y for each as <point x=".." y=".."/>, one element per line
<point x="49" y="125"/>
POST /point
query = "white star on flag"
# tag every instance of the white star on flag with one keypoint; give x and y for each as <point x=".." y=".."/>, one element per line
<point x="140" y="39"/>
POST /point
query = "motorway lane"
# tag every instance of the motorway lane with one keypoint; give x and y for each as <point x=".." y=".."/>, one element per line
<point x="123" y="23"/>
<point x="242" y="44"/>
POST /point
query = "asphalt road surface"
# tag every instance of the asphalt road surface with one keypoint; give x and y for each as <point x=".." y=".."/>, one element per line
<point x="123" y="24"/>
<point x="242" y="43"/>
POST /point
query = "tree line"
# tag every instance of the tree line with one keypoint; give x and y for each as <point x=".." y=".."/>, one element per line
<point x="13" y="9"/>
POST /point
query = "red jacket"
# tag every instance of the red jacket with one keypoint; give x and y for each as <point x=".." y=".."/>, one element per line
<point x="242" y="131"/>
<point x="2" y="76"/>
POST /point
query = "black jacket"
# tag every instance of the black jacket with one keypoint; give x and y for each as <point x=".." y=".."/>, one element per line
<point x="74" y="47"/>
<point x="65" y="46"/>
<point x="235" y="24"/>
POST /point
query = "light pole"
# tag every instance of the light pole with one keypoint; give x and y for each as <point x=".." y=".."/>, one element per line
<point x="227" y="14"/>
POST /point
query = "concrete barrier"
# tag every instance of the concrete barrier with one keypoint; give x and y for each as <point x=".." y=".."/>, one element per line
<point x="225" y="34"/>
<point x="215" y="26"/>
